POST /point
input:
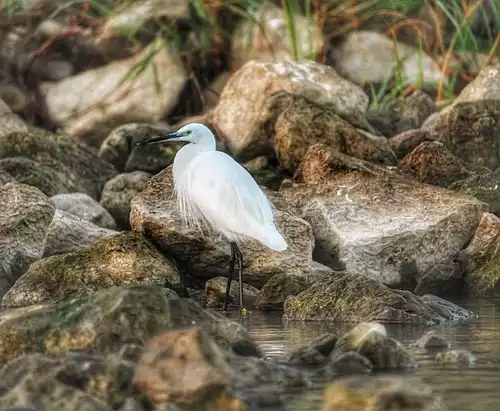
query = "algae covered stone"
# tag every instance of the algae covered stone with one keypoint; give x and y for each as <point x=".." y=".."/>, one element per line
<point x="109" y="319"/>
<point x="120" y="259"/>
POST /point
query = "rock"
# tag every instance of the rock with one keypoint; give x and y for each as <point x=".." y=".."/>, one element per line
<point x="484" y="186"/>
<point x="24" y="221"/>
<point x="68" y="381"/>
<point x="371" y="341"/>
<point x="460" y="358"/>
<point x="13" y="96"/>
<point x="405" y="142"/>
<point x="119" y="148"/>
<point x="303" y="123"/>
<point x="348" y="363"/>
<point x="446" y="309"/>
<point x="469" y="125"/>
<point x="315" y="353"/>
<point x="109" y="319"/>
<point x="265" y="36"/>
<point x="68" y="232"/>
<point x="352" y="298"/>
<point x="125" y="258"/>
<point x="5" y="178"/>
<point x="154" y="213"/>
<point x="241" y="116"/>
<point x="119" y="192"/>
<point x="93" y="102"/>
<point x="432" y="163"/>
<point x="187" y="369"/>
<point x="277" y="289"/>
<point x="480" y="260"/>
<point x="412" y="227"/>
<point x="380" y="393"/>
<point x="10" y="122"/>
<point x="366" y="57"/>
<point x="85" y="207"/>
<point x="402" y="114"/>
<point x="264" y="173"/>
<point x="432" y="340"/>
<point x="215" y="291"/>
<point x="73" y="165"/>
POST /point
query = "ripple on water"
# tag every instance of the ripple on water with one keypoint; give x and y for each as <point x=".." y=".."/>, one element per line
<point x="476" y="388"/>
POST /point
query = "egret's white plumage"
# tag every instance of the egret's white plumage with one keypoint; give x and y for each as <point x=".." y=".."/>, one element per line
<point x="212" y="188"/>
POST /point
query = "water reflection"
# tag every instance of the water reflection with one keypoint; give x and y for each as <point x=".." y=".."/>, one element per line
<point x="466" y="389"/>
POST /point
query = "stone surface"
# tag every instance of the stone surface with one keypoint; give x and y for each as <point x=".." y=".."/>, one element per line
<point x="469" y="126"/>
<point x="85" y="207"/>
<point x="480" y="260"/>
<point x="215" y="291"/>
<point x="90" y="104"/>
<point x="68" y="232"/>
<point x="125" y="258"/>
<point x="432" y="163"/>
<point x="366" y="57"/>
<point x="25" y="217"/>
<point x="242" y="112"/>
<point x="109" y="319"/>
<point x="484" y="185"/>
<point x="403" y="143"/>
<point x="402" y="114"/>
<point x="380" y="393"/>
<point x="347" y="297"/>
<point x="374" y="223"/>
<point x="277" y="289"/>
<point x="154" y="213"/>
<point x="119" y="192"/>
<point x="303" y="123"/>
<point x="264" y="35"/>
<point x="315" y="353"/>
<point x="73" y="165"/>
<point x="371" y="341"/>
<point x="9" y="122"/>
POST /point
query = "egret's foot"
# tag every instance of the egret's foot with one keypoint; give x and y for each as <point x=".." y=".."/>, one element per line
<point x="243" y="312"/>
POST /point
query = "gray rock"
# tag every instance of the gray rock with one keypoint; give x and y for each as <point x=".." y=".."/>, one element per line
<point x="68" y="232"/>
<point x="215" y="291"/>
<point x="25" y="217"/>
<point x="119" y="192"/>
<point x="85" y="207"/>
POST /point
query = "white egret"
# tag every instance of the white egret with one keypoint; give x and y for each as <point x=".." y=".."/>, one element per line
<point x="213" y="189"/>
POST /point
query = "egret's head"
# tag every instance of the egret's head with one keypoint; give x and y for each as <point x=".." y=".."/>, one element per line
<point x="192" y="133"/>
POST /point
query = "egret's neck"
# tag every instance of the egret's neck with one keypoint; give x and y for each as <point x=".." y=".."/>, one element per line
<point x="187" y="153"/>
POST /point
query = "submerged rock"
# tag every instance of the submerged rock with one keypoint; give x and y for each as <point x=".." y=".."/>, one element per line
<point x="215" y="291"/>
<point x="242" y="112"/>
<point x="480" y="260"/>
<point x="432" y="340"/>
<point x="315" y="353"/>
<point x="25" y="217"/>
<point x="107" y="320"/>
<point x="119" y="192"/>
<point x="380" y="393"/>
<point x="375" y="223"/>
<point x="352" y="298"/>
<point x="459" y="358"/>
<point x="74" y="165"/>
<point x="126" y="258"/>
<point x="85" y="207"/>
<point x="68" y="232"/>
<point x="154" y="213"/>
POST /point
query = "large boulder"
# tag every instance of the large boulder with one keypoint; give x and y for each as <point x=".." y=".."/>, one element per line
<point x="72" y="165"/>
<point x="68" y="232"/>
<point x="375" y="223"/>
<point x="110" y="319"/>
<point x="119" y="192"/>
<point x="25" y="217"/>
<point x="347" y="297"/>
<point x="154" y="213"/>
<point x="85" y="207"/>
<point x="243" y="118"/>
<point x="125" y="258"/>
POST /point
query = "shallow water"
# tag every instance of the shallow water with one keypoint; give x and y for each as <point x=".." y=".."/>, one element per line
<point x="476" y="388"/>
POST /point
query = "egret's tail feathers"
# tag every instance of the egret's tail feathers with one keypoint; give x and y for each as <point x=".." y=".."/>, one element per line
<point x="274" y="240"/>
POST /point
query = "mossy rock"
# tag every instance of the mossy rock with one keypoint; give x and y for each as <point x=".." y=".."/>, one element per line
<point x="277" y="289"/>
<point x="120" y="259"/>
<point x="106" y="321"/>
<point x="67" y="156"/>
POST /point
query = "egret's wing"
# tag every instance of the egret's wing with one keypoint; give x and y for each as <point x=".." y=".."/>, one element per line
<point x="226" y="195"/>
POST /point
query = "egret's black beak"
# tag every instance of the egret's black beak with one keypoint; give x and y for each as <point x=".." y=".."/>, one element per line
<point x="158" y="140"/>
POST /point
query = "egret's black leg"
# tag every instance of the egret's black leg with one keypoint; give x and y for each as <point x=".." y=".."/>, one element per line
<point x="232" y="260"/>
<point x="239" y="257"/>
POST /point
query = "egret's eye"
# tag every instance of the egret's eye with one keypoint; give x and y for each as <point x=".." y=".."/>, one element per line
<point x="189" y="131"/>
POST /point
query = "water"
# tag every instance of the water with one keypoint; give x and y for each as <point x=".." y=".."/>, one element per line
<point x="476" y="388"/>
